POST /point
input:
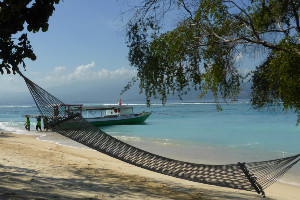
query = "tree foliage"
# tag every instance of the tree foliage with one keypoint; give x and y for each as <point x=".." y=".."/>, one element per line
<point x="14" y="16"/>
<point x="200" y="51"/>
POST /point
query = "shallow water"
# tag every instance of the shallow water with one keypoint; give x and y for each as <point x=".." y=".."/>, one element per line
<point x="194" y="132"/>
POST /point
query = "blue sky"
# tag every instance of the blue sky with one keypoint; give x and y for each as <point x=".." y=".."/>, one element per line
<point x="84" y="48"/>
<point x="85" y="43"/>
<point x="81" y="32"/>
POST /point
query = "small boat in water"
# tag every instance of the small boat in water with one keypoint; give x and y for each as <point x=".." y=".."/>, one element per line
<point x="99" y="115"/>
<point x="113" y="115"/>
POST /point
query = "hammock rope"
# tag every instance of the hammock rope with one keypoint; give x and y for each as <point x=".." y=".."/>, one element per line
<point x="254" y="176"/>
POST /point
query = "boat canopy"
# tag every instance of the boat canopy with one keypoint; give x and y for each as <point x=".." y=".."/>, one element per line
<point x="121" y="110"/>
<point x="88" y="108"/>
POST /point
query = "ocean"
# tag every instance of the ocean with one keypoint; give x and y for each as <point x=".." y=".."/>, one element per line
<point x="193" y="132"/>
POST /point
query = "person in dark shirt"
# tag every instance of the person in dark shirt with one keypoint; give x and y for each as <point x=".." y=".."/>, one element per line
<point x="38" y="123"/>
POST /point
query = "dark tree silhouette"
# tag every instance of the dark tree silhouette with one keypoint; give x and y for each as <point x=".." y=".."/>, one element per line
<point x="15" y="16"/>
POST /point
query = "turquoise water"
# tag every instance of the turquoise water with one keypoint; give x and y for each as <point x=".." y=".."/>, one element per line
<point x="236" y="127"/>
<point x="195" y="132"/>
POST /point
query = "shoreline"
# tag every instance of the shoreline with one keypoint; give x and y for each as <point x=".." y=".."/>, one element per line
<point x="32" y="168"/>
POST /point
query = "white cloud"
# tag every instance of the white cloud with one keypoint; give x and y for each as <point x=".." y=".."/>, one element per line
<point x="59" y="69"/>
<point x="84" y="73"/>
<point x="11" y="83"/>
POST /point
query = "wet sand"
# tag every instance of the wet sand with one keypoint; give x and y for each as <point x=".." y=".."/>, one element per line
<point x="34" y="169"/>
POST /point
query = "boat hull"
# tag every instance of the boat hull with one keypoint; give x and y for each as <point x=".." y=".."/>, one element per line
<point x="121" y="120"/>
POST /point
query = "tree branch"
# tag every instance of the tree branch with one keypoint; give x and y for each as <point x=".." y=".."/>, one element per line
<point x="297" y="20"/>
<point x="251" y="23"/>
<point x="247" y="41"/>
<point x="279" y="31"/>
<point x="184" y="6"/>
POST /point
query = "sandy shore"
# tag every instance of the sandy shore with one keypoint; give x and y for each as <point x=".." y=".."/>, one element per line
<point x="34" y="169"/>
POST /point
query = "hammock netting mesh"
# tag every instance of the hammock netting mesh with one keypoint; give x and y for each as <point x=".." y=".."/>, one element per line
<point x="254" y="176"/>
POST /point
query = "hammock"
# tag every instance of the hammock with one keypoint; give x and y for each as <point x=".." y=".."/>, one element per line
<point x="254" y="176"/>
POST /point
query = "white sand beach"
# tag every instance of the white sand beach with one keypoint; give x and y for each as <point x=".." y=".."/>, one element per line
<point x="34" y="169"/>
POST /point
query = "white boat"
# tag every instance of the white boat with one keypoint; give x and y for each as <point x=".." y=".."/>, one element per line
<point x="113" y="115"/>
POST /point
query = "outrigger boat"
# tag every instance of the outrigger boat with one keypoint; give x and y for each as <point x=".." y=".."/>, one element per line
<point x="114" y="115"/>
<point x="101" y="115"/>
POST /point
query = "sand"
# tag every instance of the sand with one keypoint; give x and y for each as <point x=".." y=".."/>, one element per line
<point x="34" y="169"/>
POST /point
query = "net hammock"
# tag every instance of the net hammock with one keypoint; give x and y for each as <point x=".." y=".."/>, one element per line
<point x="254" y="176"/>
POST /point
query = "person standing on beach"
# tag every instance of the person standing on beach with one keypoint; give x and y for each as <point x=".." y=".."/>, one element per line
<point x="46" y="124"/>
<point x="27" y="124"/>
<point x="38" y="123"/>
<point x="56" y="112"/>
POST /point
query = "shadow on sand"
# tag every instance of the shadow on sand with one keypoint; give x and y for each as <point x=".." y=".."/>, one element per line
<point x="21" y="183"/>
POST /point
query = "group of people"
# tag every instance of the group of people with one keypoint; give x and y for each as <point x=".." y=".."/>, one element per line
<point x="39" y="119"/>
<point x="38" y="123"/>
